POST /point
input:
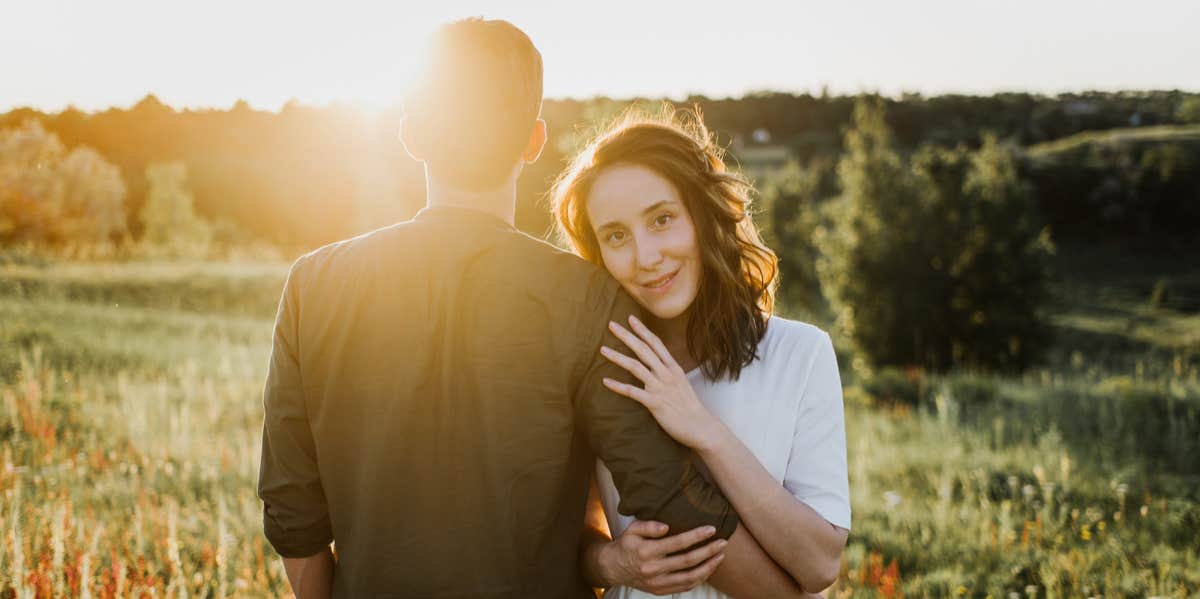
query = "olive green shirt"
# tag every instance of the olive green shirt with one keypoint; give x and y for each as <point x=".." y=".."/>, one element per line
<point x="434" y="407"/>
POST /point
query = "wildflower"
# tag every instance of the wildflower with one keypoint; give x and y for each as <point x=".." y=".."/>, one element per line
<point x="892" y="499"/>
<point x="1086" y="532"/>
<point x="961" y="590"/>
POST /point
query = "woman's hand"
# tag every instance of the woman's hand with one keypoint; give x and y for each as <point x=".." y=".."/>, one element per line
<point x="640" y="558"/>
<point x="667" y="393"/>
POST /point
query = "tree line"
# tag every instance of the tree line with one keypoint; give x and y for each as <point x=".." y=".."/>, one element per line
<point x="304" y="176"/>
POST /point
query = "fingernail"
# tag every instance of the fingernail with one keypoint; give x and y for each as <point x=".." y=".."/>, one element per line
<point x="604" y="349"/>
<point x="722" y="543"/>
<point x="708" y="530"/>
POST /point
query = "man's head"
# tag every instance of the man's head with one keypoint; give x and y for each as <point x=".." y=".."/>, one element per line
<point x="472" y="113"/>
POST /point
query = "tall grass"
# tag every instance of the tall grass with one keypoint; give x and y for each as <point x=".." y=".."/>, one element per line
<point x="130" y="415"/>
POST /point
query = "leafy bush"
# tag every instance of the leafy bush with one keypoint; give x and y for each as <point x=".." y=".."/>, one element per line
<point x="51" y="196"/>
<point x="937" y="261"/>
<point x="892" y="386"/>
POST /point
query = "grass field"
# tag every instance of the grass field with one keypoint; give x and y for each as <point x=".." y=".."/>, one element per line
<point x="130" y="415"/>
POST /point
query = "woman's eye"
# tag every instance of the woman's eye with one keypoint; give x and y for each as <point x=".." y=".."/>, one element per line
<point x="663" y="219"/>
<point x="615" y="237"/>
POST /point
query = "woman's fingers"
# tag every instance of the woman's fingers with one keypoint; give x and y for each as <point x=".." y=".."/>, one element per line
<point x="639" y="347"/>
<point x="678" y="582"/>
<point x="652" y="340"/>
<point x="631" y="391"/>
<point x="633" y="366"/>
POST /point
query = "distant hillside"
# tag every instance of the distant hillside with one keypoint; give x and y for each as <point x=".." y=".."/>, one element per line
<point x="1131" y="184"/>
<point x="1083" y="144"/>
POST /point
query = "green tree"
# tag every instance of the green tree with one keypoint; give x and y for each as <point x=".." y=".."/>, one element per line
<point x="938" y="261"/>
<point x="168" y="218"/>
<point x="1189" y="110"/>
<point x="793" y="200"/>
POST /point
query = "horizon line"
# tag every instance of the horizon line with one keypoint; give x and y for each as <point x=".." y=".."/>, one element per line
<point x="372" y="107"/>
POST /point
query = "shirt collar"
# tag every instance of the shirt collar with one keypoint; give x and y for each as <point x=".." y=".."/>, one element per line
<point x="459" y="213"/>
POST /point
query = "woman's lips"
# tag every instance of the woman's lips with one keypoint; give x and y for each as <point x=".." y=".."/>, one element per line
<point x="661" y="284"/>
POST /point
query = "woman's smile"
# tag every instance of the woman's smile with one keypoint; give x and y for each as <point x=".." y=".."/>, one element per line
<point x="662" y="284"/>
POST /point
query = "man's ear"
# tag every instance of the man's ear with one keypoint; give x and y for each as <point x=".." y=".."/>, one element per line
<point x="537" y="141"/>
<point x="411" y="140"/>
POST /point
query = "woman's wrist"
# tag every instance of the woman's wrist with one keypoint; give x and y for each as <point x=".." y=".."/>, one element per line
<point x="716" y="437"/>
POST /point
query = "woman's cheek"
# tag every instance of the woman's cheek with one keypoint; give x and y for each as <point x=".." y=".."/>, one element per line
<point x="612" y="264"/>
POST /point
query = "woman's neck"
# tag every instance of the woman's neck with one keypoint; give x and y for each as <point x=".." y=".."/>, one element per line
<point x="673" y="333"/>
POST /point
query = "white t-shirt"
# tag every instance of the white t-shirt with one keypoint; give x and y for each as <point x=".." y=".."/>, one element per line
<point x="786" y="407"/>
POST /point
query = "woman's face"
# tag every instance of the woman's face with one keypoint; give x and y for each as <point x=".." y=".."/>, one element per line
<point x="647" y="238"/>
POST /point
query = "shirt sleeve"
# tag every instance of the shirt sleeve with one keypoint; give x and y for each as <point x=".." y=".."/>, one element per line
<point x="816" y="472"/>
<point x="653" y="474"/>
<point x="295" y="513"/>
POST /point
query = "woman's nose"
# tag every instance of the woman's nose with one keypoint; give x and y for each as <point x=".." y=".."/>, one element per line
<point x="649" y="254"/>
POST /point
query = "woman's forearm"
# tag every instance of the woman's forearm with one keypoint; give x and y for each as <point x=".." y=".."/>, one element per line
<point x="748" y="572"/>
<point x="801" y="541"/>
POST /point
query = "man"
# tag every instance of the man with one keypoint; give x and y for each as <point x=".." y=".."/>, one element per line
<point x="434" y="400"/>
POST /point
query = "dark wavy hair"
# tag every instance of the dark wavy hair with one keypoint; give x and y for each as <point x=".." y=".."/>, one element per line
<point x="739" y="273"/>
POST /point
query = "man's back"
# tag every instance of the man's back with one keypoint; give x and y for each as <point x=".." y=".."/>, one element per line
<point x="432" y="405"/>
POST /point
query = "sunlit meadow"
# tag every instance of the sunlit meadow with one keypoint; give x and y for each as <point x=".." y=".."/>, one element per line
<point x="130" y="419"/>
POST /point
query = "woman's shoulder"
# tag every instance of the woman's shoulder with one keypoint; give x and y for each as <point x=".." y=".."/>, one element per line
<point x="794" y="334"/>
<point x="793" y="346"/>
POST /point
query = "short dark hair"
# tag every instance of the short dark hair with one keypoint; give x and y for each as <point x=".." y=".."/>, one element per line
<point x="740" y="273"/>
<point x="475" y="104"/>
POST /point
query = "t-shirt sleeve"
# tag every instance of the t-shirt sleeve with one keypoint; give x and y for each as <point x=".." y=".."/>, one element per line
<point x="295" y="514"/>
<point x="817" y="472"/>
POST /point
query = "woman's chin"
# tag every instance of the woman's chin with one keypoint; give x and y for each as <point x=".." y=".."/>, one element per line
<point x="659" y="307"/>
<point x="664" y="310"/>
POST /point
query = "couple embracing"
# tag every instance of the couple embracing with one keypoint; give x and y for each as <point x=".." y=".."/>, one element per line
<point x="464" y="411"/>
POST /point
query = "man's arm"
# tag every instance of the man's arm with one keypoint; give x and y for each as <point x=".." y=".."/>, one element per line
<point x="595" y="533"/>
<point x="654" y="475"/>
<point x="295" y="514"/>
<point x="311" y="577"/>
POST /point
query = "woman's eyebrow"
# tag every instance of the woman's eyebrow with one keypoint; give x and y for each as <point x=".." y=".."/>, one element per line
<point x="607" y="225"/>
<point x="657" y="205"/>
<point x="651" y="208"/>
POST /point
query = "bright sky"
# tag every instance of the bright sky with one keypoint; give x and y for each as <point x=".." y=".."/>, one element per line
<point x="55" y="53"/>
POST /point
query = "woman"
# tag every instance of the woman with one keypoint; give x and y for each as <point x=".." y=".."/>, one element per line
<point x="756" y="397"/>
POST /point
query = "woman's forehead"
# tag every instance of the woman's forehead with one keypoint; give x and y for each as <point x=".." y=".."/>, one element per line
<point x="625" y="191"/>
